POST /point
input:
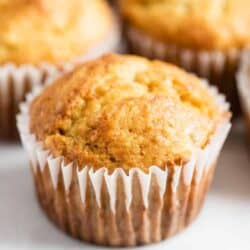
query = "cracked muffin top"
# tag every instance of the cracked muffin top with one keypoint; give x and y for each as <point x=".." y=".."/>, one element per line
<point x="54" y="31"/>
<point x="196" y="24"/>
<point x="125" y="111"/>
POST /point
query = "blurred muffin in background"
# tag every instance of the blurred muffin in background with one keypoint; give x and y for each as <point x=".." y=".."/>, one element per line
<point x="243" y="84"/>
<point x="41" y="38"/>
<point x="124" y="153"/>
<point x="205" y="37"/>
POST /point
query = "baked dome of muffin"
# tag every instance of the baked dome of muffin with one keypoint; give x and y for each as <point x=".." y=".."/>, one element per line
<point x="206" y="24"/>
<point x="125" y="111"/>
<point x="54" y="31"/>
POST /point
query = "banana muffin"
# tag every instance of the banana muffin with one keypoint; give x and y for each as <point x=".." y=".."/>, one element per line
<point x="128" y="151"/>
<point x="205" y="37"/>
<point x="39" y="38"/>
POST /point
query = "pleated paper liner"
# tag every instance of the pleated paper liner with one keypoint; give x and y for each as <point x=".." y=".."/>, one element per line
<point x="119" y="208"/>
<point x="243" y="84"/>
<point x="17" y="81"/>
<point x="218" y="67"/>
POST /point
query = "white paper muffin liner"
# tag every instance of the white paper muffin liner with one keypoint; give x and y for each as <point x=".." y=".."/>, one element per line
<point x="243" y="84"/>
<point x="120" y="208"/>
<point x="17" y="81"/>
<point x="217" y="66"/>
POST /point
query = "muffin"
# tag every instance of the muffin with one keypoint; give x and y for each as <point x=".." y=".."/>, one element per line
<point x="125" y="152"/>
<point x="39" y="39"/>
<point x="243" y="83"/>
<point x="205" y="37"/>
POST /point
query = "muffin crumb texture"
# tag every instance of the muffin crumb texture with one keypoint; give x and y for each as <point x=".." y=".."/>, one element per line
<point x="125" y="111"/>
<point x="196" y="24"/>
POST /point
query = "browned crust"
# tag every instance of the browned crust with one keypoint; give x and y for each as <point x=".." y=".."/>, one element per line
<point x="120" y="111"/>
<point x="139" y="225"/>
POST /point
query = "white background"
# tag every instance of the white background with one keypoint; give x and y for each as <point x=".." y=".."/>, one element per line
<point x="224" y="223"/>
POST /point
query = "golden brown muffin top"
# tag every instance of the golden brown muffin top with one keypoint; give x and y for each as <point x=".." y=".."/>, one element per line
<point x="125" y="111"/>
<point x="54" y="31"/>
<point x="197" y="24"/>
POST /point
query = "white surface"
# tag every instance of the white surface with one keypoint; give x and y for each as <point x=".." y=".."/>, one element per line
<point x="223" y="224"/>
